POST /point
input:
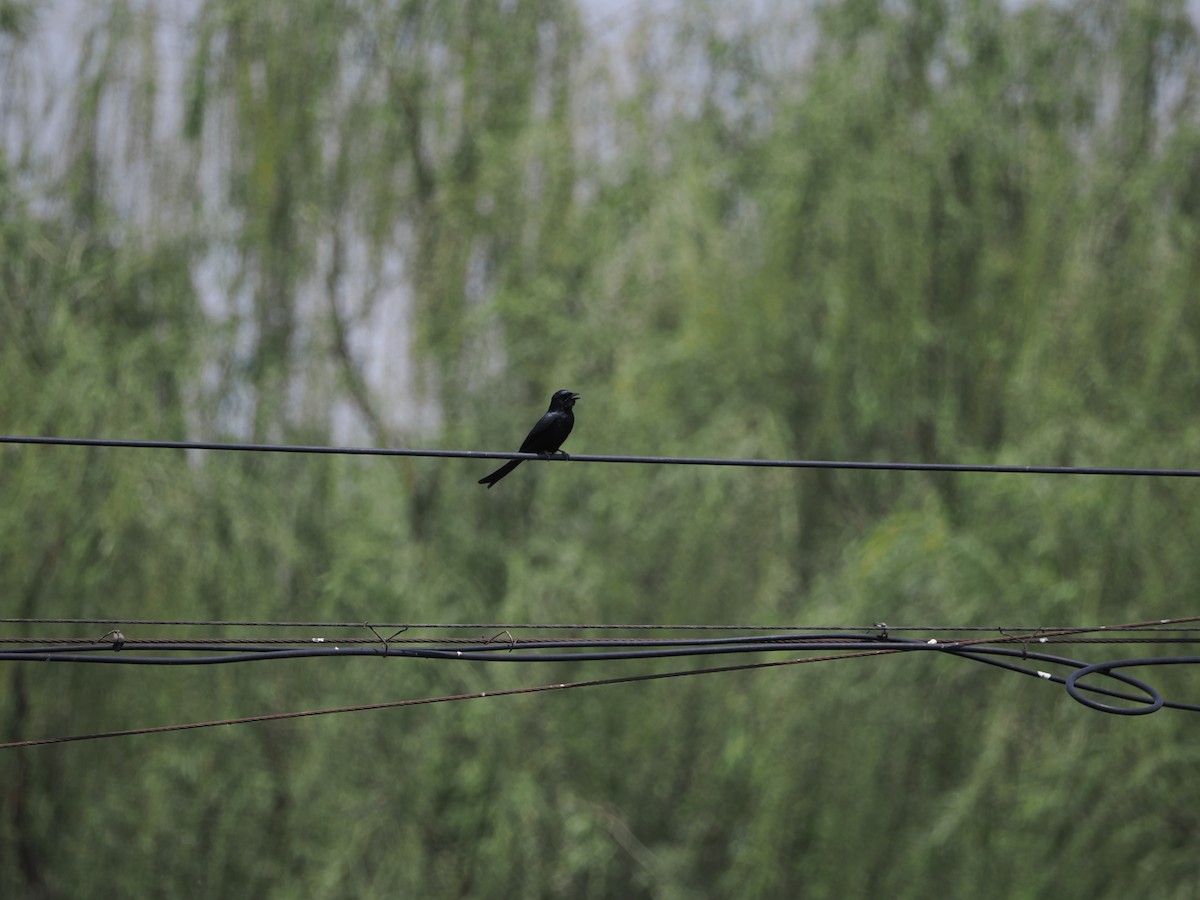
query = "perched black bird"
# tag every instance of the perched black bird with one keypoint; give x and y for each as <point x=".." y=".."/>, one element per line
<point x="547" y="435"/>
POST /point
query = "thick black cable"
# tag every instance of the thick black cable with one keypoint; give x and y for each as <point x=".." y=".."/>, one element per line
<point x="485" y="650"/>
<point x="482" y="651"/>
<point x="602" y="458"/>
<point x="204" y="643"/>
<point x="979" y="650"/>
<point x="1105" y="668"/>
<point x="628" y="679"/>
<point x="420" y="701"/>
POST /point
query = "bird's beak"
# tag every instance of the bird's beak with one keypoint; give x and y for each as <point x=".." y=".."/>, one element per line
<point x="574" y="397"/>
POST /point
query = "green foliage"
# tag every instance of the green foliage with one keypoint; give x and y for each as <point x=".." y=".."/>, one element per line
<point x="940" y="231"/>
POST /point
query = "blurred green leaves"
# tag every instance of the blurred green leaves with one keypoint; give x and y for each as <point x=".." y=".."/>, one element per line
<point x="929" y="230"/>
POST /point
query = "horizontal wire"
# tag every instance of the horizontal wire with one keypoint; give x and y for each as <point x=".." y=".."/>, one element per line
<point x="203" y="642"/>
<point x="994" y="656"/>
<point x="480" y="652"/>
<point x="601" y="458"/>
<point x="488" y="649"/>
<point x="116" y="640"/>
<point x="1004" y="630"/>
<point x="590" y="651"/>
<point x="420" y="701"/>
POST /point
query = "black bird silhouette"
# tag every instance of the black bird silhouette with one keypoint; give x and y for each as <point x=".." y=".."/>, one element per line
<point x="547" y="435"/>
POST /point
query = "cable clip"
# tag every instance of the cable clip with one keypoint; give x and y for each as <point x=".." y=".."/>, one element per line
<point x="118" y="639"/>
<point x="382" y="639"/>
<point x="512" y="643"/>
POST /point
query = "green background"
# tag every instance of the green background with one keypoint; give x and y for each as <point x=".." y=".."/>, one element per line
<point x="918" y="230"/>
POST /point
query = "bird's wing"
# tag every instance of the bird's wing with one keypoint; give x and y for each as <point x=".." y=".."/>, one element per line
<point x="533" y="442"/>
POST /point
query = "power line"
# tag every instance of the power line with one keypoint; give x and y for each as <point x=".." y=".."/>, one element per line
<point x="1149" y="698"/>
<point x="181" y="643"/>
<point x="607" y="650"/>
<point x="397" y="704"/>
<point x="603" y="458"/>
<point x="1184" y="623"/>
<point x="543" y="651"/>
<point x="1016" y="653"/>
